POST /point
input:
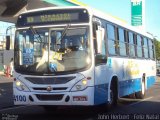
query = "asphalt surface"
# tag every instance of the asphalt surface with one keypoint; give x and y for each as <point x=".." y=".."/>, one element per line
<point x="128" y="108"/>
<point x="6" y="92"/>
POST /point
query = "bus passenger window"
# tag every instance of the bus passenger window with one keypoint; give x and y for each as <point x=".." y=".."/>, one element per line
<point x="122" y="43"/>
<point x="145" y="47"/>
<point x="139" y="46"/>
<point x="151" y="49"/>
<point x="131" y="45"/>
<point x="111" y="39"/>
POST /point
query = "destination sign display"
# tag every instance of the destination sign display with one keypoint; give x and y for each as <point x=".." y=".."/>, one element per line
<point x="48" y="17"/>
<point x="53" y="18"/>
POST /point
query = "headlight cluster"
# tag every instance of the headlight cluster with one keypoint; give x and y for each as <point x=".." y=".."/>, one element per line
<point x="21" y="86"/>
<point x="81" y="85"/>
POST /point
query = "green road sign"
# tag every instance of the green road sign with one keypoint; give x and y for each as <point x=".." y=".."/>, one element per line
<point x="136" y="9"/>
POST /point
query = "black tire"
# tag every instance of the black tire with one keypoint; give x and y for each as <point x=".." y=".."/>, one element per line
<point x="141" y="94"/>
<point x="132" y="96"/>
<point x="113" y="95"/>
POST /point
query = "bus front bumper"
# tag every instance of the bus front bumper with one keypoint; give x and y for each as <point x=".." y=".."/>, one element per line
<point x="84" y="98"/>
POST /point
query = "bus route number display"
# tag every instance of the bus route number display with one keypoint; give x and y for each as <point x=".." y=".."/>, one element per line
<point x="52" y="18"/>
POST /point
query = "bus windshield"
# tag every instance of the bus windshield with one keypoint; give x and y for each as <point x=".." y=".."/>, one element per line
<point x="52" y="50"/>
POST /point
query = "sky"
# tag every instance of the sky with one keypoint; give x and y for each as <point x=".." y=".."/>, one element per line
<point x="122" y="10"/>
<point x="3" y="27"/>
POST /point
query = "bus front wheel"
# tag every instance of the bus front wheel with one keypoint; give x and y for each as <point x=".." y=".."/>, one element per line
<point x="113" y="95"/>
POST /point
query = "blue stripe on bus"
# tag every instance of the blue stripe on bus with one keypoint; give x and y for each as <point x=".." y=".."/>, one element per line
<point x="101" y="94"/>
<point x="124" y="88"/>
<point x="129" y="86"/>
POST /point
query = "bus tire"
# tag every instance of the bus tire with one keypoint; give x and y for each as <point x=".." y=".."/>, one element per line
<point x="132" y="96"/>
<point x="141" y="94"/>
<point x="113" y="95"/>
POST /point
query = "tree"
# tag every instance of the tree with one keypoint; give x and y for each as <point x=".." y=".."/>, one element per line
<point x="157" y="49"/>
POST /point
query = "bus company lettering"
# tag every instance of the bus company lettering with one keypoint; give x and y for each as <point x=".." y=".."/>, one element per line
<point x="132" y="68"/>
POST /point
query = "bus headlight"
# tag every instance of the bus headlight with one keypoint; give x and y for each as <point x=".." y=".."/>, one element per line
<point x="81" y="85"/>
<point x="20" y="86"/>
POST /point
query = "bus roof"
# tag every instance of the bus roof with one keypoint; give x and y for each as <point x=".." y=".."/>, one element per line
<point x="115" y="21"/>
<point x="99" y="14"/>
<point x="54" y="8"/>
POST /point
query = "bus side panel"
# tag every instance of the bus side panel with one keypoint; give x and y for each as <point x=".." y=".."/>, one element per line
<point x="101" y="94"/>
<point x="129" y="73"/>
<point x="129" y="86"/>
<point x="151" y="77"/>
<point x="103" y="76"/>
<point x="101" y="84"/>
<point x="133" y="73"/>
<point x="150" y="81"/>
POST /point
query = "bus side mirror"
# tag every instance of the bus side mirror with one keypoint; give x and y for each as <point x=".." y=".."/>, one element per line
<point x="8" y="42"/>
<point x="101" y="59"/>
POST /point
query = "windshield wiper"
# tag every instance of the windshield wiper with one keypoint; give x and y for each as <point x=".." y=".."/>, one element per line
<point x="64" y="32"/>
<point x="35" y="33"/>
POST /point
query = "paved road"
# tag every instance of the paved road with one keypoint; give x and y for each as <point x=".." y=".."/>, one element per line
<point x="6" y="92"/>
<point x="148" y="108"/>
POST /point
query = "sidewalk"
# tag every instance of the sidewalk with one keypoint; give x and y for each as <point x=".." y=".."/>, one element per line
<point x="4" y="79"/>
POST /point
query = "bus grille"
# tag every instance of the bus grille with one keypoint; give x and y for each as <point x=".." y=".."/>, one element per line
<point x="51" y="80"/>
<point x="49" y="97"/>
<point x="57" y="88"/>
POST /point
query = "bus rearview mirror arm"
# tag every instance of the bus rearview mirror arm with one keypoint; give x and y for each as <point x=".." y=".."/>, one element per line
<point x="8" y="40"/>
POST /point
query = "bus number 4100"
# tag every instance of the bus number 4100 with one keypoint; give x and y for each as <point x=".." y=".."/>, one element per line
<point x="19" y="98"/>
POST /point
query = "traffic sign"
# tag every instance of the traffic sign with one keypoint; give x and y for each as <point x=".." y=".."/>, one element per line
<point x="136" y="12"/>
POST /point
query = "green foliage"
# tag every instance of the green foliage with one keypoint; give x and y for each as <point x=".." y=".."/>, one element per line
<point x="157" y="49"/>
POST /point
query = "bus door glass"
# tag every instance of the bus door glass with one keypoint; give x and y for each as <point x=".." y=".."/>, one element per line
<point x="99" y="44"/>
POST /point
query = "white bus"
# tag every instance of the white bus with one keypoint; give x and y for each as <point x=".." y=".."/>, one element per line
<point x="75" y="56"/>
